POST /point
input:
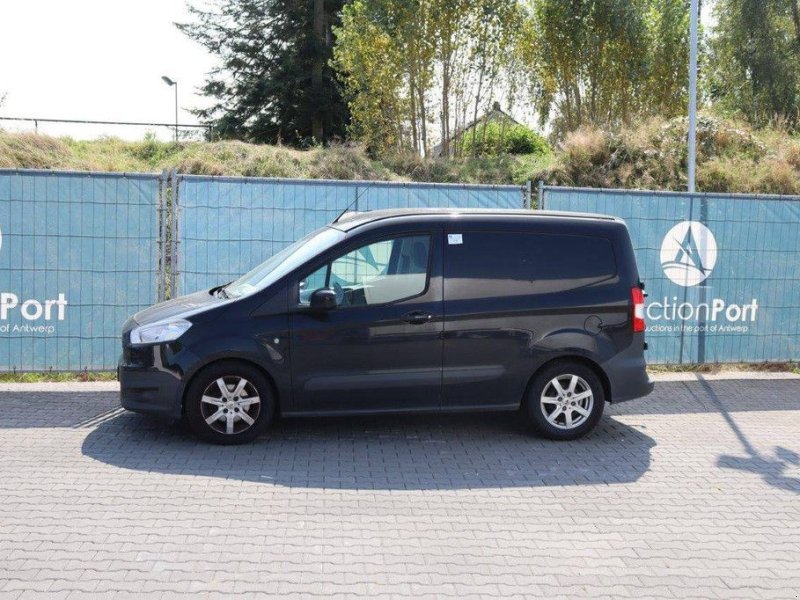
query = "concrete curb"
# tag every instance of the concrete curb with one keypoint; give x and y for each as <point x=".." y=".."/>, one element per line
<point x="724" y="375"/>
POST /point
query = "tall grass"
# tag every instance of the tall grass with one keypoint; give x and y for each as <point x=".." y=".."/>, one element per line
<point x="731" y="157"/>
<point x="652" y="155"/>
<point x="344" y="161"/>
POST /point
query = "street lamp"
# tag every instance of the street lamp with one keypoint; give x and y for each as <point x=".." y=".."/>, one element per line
<point x="693" y="25"/>
<point x="170" y="83"/>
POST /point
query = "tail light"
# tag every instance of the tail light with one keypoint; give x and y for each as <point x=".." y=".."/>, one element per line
<point x="637" y="295"/>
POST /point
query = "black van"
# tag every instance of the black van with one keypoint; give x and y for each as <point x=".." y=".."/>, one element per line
<point x="404" y="311"/>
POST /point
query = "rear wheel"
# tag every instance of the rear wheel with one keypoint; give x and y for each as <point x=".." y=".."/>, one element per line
<point x="565" y="401"/>
<point x="229" y="403"/>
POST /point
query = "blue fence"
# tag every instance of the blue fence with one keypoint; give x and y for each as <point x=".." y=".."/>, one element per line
<point x="80" y="252"/>
<point x="722" y="271"/>
<point x="77" y="257"/>
<point x="227" y="225"/>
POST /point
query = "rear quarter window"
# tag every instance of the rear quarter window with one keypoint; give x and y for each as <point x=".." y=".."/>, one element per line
<point x="490" y="263"/>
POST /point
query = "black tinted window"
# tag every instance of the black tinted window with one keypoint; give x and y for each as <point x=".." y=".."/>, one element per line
<point x="514" y="263"/>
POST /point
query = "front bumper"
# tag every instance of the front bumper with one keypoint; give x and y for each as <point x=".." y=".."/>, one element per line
<point x="149" y="392"/>
<point x="145" y="385"/>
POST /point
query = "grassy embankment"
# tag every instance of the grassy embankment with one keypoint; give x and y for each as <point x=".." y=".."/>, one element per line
<point x="238" y="158"/>
<point x="731" y="158"/>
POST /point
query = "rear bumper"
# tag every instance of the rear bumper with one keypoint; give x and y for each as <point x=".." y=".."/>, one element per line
<point x="150" y="391"/>
<point x="635" y="386"/>
<point x="627" y="375"/>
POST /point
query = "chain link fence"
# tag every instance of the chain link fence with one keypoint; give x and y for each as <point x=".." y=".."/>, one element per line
<point x="80" y="252"/>
<point x="77" y="257"/>
<point x="227" y="225"/>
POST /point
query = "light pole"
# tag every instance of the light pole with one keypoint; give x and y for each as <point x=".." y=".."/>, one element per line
<point x="692" y="92"/>
<point x="170" y="82"/>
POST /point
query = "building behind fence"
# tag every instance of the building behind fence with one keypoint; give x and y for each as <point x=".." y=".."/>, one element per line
<point x="80" y="252"/>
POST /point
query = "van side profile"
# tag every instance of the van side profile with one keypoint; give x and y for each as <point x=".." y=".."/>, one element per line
<point x="404" y="311"/>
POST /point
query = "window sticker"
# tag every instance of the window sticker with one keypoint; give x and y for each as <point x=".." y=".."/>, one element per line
<point x="454" y="239"/>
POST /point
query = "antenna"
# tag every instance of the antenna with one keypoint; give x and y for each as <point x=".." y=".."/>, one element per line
<point x="349" y="206"/>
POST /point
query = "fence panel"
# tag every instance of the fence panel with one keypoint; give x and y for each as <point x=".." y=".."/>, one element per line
<point x="227" y="225"/>
<point x="77" y="257"/>
<point x="79" y="252"/>
<point x="722" y="271"/>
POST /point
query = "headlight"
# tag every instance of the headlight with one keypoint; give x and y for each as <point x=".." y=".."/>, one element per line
<point x="156" y="333"/>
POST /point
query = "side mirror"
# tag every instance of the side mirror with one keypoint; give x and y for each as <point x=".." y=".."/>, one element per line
<point x="323" y="299"/>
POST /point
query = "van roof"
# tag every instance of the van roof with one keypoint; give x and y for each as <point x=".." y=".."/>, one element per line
<point x="352" y="220"/>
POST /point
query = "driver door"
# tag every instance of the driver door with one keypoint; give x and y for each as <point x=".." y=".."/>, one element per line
<point x="381" y="347"/>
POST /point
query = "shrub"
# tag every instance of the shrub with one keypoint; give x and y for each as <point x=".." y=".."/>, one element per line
<point x="496" y="138"/>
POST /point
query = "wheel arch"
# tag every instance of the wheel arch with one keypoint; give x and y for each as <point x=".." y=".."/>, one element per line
<point x="234" y="359"/>
<point x="577" y="358"/>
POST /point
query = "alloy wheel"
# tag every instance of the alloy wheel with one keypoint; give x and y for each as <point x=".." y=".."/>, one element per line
<point x="566" y="401"/>
<point x="230" y="405"/>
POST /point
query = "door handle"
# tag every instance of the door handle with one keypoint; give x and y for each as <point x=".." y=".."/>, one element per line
<point x="416" y="317"/>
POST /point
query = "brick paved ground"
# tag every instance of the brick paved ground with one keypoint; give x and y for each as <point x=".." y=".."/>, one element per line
<point x="693" y="492"/>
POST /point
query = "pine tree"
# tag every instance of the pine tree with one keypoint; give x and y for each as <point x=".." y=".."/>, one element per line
<point x="273" y="82"/>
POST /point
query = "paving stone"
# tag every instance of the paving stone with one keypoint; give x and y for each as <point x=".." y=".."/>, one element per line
<point x="692" y="492"/>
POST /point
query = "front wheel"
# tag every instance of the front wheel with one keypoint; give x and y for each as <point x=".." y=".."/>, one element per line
<point x="565" y="401"/>
<point x="229" y="403"/>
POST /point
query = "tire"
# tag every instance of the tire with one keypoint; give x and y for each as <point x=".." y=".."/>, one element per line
<point x="229" y="402"/>
<point x="565" y="401"/>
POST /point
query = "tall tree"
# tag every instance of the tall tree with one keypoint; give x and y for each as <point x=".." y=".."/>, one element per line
<point x="273" y="82"/>
<point x="755" y="59"/>
<point x="668" y="47"/>
<point x="407" y="64"/>
<point x="370" y="61"/>
<point x="593" y="60"/>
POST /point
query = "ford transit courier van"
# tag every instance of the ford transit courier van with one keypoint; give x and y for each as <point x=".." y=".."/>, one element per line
<point x="404" y="311"/>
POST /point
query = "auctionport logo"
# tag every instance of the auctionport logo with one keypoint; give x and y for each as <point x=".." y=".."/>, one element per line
<point x="688" y="253"/>
<point x="30" y="310"/>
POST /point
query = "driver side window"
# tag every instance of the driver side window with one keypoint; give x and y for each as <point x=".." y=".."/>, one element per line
<point x="377" y="273"/>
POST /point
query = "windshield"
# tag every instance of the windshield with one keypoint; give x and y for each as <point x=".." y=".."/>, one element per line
<point x="284" y="262"/>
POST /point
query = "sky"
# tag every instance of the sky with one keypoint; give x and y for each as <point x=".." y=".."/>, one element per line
<point x="102" y="60"/>
<point x="98" y="60"/>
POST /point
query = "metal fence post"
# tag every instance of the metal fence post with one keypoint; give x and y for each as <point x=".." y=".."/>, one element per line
<point x="174" y="271"/>
<point x="162" y="236"/>
<point x="526" y="198"/>
<point x="703" y="290"/>
<point x="540" y="194"/>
